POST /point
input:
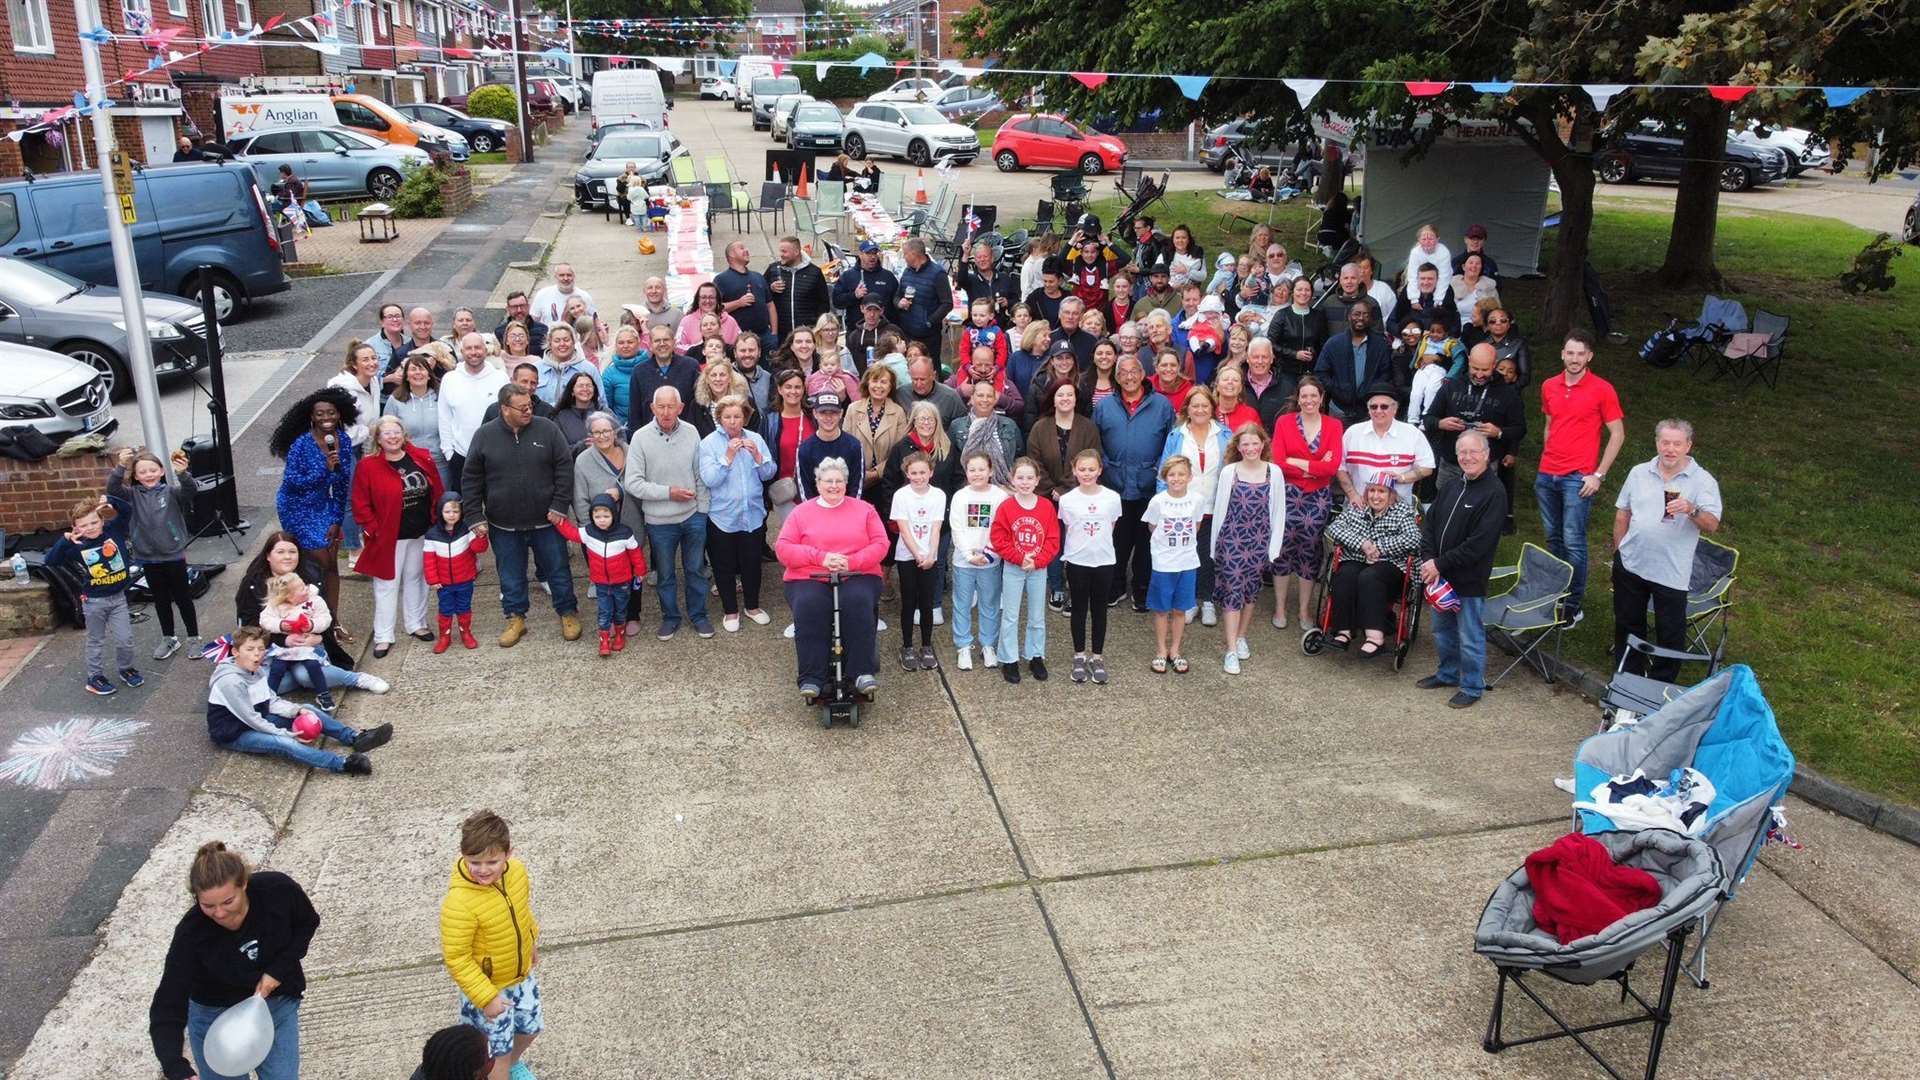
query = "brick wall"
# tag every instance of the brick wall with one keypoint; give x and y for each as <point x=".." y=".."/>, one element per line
<point x="1156" y="145"/>
<point x="39" y="492"/>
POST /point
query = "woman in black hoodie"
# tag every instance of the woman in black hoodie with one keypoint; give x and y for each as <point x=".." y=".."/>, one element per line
<point x="245" y="935"/>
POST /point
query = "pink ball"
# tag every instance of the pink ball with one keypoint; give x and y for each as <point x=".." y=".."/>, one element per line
<point x="306" y="728"/>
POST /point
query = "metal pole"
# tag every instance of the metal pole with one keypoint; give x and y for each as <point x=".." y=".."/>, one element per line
<point x="519" y="82"/>
<point x="573" y="47"/>
<point x="126" y="274"/>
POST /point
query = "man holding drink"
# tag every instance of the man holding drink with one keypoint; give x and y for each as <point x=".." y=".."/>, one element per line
<point x="1664" y="506"/>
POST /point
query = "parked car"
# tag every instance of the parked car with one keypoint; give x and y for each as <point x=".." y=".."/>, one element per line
<point x="434" y="138"/>
<point x="629" y="127"/>
<point x="915" y="132"/>
<point x="953" y="79"/>
<point x="1048" y="140"/>
<point x="967" y="102"/>
<point x="334" y="162"/>
<point x="782" y="114"/>
<point x="1645" y="152"/>
<point x="1803" y="148"/>
<point x="483" y="135"/>
<point x="55" y="394"/>
<point x="817" y="126"/>
<point x="714" y="88"/>
<point x="1910" y="228"/>
<point x="918" y="91"/>
<point x="44" y="308"/>
<point x="190" y="215"/>
<point x="1238" y="133"/>
<point x="766" y="90"/>
<point x="653" y="151"/>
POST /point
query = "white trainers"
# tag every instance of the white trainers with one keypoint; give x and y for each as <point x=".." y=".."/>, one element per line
<point x="1240" y="649"/>
<point x="788" y="632"/>
<point x="939" y="616"/>
<point x="731" y="622"/>
<point x="1191" y="613"/>
<point x="989" y="657"/>
<point x="879" y="626"/>
<point x="166" y="647"/>
<point x="760" y="618"/>
<point x="1231" y="665"/>
<point x="372" y="684"/>
<point x="1564" y="783"/>
<point x="964" y="661"/>
<point x="1208" y="616"/>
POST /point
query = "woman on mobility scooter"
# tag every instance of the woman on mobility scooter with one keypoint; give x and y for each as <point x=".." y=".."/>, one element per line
<point x="832" y="547"/>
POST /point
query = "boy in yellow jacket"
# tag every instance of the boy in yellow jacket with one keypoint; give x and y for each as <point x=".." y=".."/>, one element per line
<point x="490" y="943"/>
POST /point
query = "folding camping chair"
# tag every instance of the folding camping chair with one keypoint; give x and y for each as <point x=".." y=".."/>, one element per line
<point x="1715" y="565"/>
<point x="1750" y="355"/>
<point x="1128" y="182"/>
<point x="1719" y="320"/>
<point x="1526" y="617"/>
<point x="717" y="171"/>
<point x="683" y="174"/>
<point x="1043" y="217"/>
<point x="893" y="193"/>
<point x="1630" y="696"/>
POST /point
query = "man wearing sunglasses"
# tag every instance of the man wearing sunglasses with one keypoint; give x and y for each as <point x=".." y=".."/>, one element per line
<point x="1384" y="444"/>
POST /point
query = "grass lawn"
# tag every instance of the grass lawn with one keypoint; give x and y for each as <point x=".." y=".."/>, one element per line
<point x="1819" y="476"/>
<point x="492" y="157"/>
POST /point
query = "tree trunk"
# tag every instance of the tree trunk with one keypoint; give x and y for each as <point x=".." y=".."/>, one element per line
<point x="1572" y="163"/>
<point x="1696" y="209"/>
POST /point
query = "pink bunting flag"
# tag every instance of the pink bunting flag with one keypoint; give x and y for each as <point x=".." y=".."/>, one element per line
<point x="1427" y="89"/>
<point x="901" y="65"/>
<point x="273" y="22"/>
<point x="1729" y="93"/>
<point x="779" y="68"/>
<point x="1092" y="80"/>
<point x="459" y="54"/>
<point x="129" y="76"/>
<point x="159" y="38"/>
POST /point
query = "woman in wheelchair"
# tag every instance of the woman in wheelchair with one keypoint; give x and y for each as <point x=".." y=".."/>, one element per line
<point x="1371" y="539"/>
<point x="833" y="534"/>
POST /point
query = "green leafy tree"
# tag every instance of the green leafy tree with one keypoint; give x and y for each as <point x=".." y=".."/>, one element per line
<point x="844" y="82"/>
<point x="494" y="102"/>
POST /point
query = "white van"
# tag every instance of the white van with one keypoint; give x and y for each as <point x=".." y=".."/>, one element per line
<point x="629" y="95"/>
<point x="244" y="116"/>
<point x="747" y="69"/>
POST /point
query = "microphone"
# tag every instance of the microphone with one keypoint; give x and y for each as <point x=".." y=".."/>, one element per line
<point x="330" y="440"/>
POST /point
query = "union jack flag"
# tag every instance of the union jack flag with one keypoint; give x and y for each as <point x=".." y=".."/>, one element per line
<point x="1440" y="595"/>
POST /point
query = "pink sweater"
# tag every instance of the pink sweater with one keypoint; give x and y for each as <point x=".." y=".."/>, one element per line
<point x="813" y="531"/>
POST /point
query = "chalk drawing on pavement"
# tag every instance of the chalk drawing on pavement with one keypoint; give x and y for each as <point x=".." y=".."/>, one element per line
<point x="82" y="748"/>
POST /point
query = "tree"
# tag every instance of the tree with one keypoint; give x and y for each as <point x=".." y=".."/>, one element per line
<point x="654" y="40"/>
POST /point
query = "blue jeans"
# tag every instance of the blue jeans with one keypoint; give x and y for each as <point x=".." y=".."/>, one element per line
<point x="299" y="675"/>
<point x="1563" y="514"/>
<point x="1461" y="640"/>
<point x="612" y="601"/>
<point x="510" y="548"/>
<point x="283" y="1060"/>
<point x="349" y="534"/>
<point x="1017" y="584"/>
<point x="971" y="585"/>
<point x="687" y="539"/>
<point x="259" y="742"/>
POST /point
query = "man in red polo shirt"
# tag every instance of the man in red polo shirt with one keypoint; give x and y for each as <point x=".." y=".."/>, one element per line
<point x="1577" y="405"/>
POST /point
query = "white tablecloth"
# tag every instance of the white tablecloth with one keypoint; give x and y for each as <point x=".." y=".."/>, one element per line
<point x="689" y="250"/>
<point x="872" y="218"/>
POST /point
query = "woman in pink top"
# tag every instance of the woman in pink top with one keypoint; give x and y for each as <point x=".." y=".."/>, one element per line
<point x="706" y="299"/>
<point x="833" y="534"/>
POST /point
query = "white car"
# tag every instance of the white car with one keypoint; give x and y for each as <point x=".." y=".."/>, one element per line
<point x="783" y="114"/>
<point x="1803" y="148"/>
<point x="713" y="88"/>
<point x="910" y="90"/>
<point x="915" y="132"/>
<point x="60" y="396"/>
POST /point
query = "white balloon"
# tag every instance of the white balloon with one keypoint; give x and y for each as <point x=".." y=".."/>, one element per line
<point x="238" y="1040"/>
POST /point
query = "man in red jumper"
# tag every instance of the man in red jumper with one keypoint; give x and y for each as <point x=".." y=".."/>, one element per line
<point x="1577" y="405"/>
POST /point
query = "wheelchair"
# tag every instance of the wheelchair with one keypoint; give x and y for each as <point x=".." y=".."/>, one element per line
<point x="1405" y="608"/>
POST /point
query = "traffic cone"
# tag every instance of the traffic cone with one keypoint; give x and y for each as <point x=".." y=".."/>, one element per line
<point x="800" y="189"/>
<point x="920" y="187"/>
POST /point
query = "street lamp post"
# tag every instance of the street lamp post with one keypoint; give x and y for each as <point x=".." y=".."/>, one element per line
<point x="519" y="82"/>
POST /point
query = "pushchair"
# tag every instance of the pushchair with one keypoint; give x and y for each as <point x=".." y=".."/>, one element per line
<point x="1723" y="728"/>
<point x="1406" y="610"/>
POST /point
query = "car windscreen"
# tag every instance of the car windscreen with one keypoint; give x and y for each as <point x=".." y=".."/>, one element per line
<point x="631" y="147"/>
<point x="775" y="87"/>
<point x="922" y="114"/>
<point x="820" y="114"/>
<point x="27" y="283"/>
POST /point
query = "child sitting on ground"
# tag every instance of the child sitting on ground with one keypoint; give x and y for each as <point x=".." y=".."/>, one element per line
<point x="449" y="551"/>
<point x="615" y="565"/>
<point x="293" y="607"/>
<point x="490" y="942"/>
<point x="96" y="545"/>
<point x="244" y="714"/>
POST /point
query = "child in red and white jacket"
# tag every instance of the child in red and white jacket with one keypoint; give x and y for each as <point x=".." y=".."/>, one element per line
<point x="982" y="330"/>
<point x="615" y="565"/>
<point x="1026" y="535"/>
<point x="448" y="549"/>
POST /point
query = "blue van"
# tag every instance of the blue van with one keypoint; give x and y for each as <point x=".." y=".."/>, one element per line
<point x="191" y="215"/>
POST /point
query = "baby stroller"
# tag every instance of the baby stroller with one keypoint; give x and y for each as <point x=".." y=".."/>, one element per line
<point x="1406" y="610"/>
<point x="1724" y="729"/>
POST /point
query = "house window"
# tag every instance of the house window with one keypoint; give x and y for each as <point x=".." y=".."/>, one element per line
<point x="177" y="7"/>
<point x="31" y="32"/>
<point x="213" y="18"/>
<point x="137" y="16"/>
<point x="243" y="13"/>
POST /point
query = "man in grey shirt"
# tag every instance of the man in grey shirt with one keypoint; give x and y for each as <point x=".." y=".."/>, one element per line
<point x="923" y="384"/>
<point x="663" y="472"/>
<point x="1664" y="506"/>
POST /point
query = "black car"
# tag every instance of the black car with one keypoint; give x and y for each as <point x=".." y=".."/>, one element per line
<point x="483" y="136"/>
<point x="1648" y="152"/>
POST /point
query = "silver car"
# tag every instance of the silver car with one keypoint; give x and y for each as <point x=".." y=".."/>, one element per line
<point x="817" y="126"/>
<point x="782" y="114"/>
<point x="915" y="132"/>
<point x="334" y="161"/>
<point x="44" y="308"/>
<point x="652" y="151"/>
<point x="58" y="395"/>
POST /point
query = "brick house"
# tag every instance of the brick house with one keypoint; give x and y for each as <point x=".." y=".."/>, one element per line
<point x="42" y="70"/>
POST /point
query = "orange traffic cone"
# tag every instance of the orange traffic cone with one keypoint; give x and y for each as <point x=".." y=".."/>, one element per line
<point x="800" y="189"/>
<point x="920" y="187"/>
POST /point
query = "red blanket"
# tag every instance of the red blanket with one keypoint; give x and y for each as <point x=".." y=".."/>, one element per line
<point x="1578" y="890"/>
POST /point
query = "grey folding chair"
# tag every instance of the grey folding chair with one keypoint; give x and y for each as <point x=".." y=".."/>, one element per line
<point x="773" y="200"/>
<point x="893" y="193"/>
<point x="1526" y="617"/>
<point x="1768" y="359"/>
<point x="720" y="201"/>
<point x="1715" y="566"/>
<point x="830" y="205"/>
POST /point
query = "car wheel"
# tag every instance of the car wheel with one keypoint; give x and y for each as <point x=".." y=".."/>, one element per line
<point x="482" y="143"/>
<point x="917" y="154"/>
<point x="383" y="183"/>
<point x="1613" y="169"/>
<point x="1090" y="165"/>
<point x="1735" y="178"/>
<point x="1913" y="225"/>
<point x="102" y="359"/>
<point x="856" y="148"/>
<point x="1006" y="161"/>
<point x="227" y="296"/>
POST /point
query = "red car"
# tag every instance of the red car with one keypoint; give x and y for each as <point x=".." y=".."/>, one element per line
<point x="1048" y="140"/>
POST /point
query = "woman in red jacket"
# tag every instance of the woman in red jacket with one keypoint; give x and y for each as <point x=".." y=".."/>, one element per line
<point x="1307" y="447"/>
<point x="396" y="488"/>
